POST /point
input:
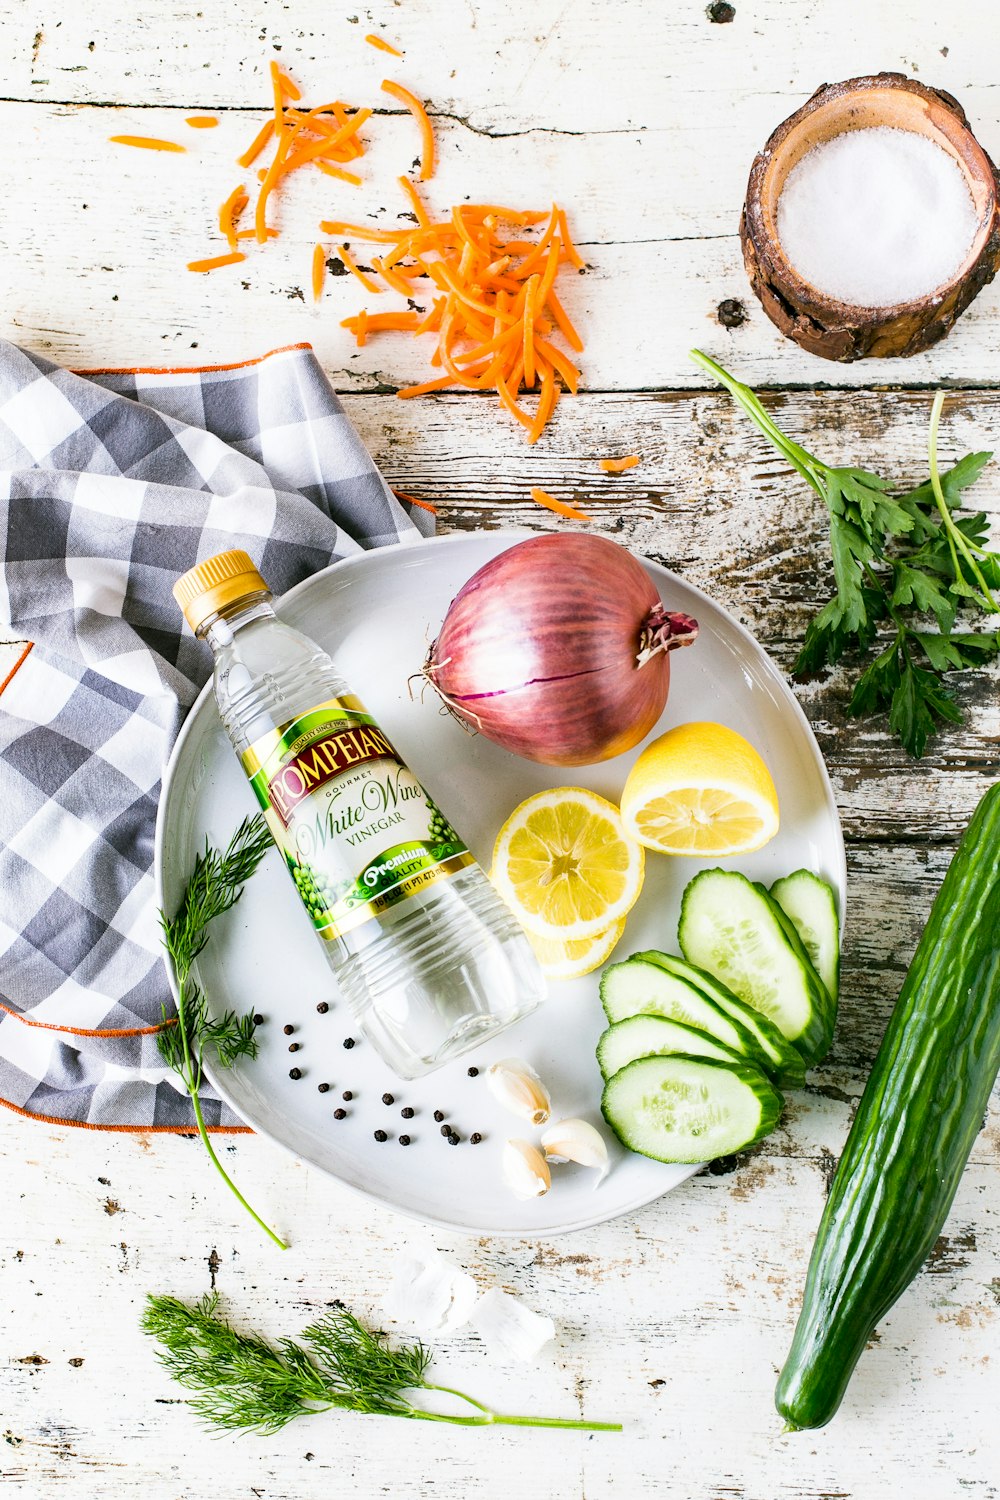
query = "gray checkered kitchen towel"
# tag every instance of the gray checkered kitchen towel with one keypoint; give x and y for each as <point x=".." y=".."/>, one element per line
<point x="112" y="484"/>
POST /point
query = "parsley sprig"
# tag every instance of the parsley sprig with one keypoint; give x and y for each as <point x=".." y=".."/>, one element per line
<point x="900" y="562"/>
<point x="216" y="884"/>
<point x="242" y="1383"/>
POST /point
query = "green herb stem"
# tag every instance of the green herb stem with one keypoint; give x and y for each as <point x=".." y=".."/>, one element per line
<point x="955" y="538"/>
<point x="216" y="884"/>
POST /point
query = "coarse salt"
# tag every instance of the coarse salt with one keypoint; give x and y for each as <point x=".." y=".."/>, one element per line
<point x="876" y="216"/>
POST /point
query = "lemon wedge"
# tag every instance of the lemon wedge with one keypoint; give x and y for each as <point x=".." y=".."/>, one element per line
<point x="700" y="789"/>
<point x="562" y="959"/>
<point x="564" y="865"/>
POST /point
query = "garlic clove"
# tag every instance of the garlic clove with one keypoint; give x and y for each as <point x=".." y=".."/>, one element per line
<point x="515" y="1084"/>
<point x="525" y="1170"/>
<point x="510" y="1330"/>
<point x="577" y="1140"/>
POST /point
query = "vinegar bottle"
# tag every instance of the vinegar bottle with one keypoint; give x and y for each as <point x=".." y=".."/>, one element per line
<point x="425" y="953"/>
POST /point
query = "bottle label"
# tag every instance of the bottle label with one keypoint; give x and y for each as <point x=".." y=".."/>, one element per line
<point x="356" y="828"/>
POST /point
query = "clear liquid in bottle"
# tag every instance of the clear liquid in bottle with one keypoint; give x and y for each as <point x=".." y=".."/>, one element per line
<point x="427" y="956"/>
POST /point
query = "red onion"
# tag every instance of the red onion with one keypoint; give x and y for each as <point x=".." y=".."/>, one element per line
<point x="557" y="650"/>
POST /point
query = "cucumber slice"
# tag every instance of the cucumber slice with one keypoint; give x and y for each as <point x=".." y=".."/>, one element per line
<point x="773" y="1052"/>
<point x="689" y="1109"/>
<point x="639" y="988"/>
<point x="652" y="1036"/>
<point x="810" y="905"/>
<point x="738" y="934"/>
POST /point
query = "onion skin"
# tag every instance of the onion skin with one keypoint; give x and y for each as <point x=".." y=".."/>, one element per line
<point x="557" y="650"/>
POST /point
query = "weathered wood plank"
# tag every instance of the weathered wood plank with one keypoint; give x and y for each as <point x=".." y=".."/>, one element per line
<point x="106" y="281"/>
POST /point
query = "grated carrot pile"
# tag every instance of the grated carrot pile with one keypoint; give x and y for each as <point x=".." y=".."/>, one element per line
<point x="326" y="136"/>
<point x="497" y="321"/>
<point x="495" y="311"/>
<point x="619" y="465"/>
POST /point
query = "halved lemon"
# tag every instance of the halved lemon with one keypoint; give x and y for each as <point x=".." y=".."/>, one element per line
<point x="700" y="789"/>
<point x="571" y="960"/>
<point x="565" y="866"/>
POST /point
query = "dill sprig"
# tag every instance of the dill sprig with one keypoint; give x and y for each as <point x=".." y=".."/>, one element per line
<point x="215" y="886"/>
<point x="896" y="557"/>
<point x="245" y="1384"/>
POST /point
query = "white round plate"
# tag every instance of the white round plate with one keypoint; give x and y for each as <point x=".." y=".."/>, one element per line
<point x="376" y="613"/>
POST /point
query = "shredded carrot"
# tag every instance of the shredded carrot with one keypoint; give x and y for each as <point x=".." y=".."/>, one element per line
<point x="282" y="83"/>
<point x="420" y="212"/>
<point x="201" y="122"/>
<point x="425" y="385"/>
<point x="331" y="171"/>
<point x="356" y="270"/>
<point x="257" y="145"/>
<point x="419" y="113"/>
<point x="251" y="234"/>
<point x="147" y="142"/>
<point x="229" y="213"/>
<point x="214" y="261"/>
<point x="380" y="322"/>
<point x="542" y="497"/>
<point x="382" y="44"/>
<point x="318" y="271"/>
<point x="619" y="465"/>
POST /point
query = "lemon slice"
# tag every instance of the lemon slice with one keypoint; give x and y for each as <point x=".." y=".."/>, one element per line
<point x="562" y="959"/>
<point x="564" y="865"/>
<point x="700" y="789"/>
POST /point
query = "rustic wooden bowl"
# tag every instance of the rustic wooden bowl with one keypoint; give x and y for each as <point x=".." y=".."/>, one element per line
<point x="821" y="324"/>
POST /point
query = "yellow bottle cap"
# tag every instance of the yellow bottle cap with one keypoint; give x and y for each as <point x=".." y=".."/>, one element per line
<point x="204" y="590"/>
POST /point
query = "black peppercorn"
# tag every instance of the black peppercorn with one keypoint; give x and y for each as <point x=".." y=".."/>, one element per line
<point x="293" y="1046"/>
<point x="258" y="1019"/>
<point x="446" y="1130"/>
<point x="380" y="1135"/>
<point x="340" y="1114"/>
<point x="347" y="1095"/>
<point x="407" y="1113"/>
<point x="295" y="1072"/>
<point x="324" y="1088"/>
<point x="473" y="1072"/>
<point x="438" y="1116"/>
<point x="404" y="1140"/>
<point x="348" y="1042"/>
<point x="323" y="1007"/>
<point x="288" y="1030"/>
<point x="388" y="1099"/>
<point x="454" y="1138"/>
<point x="475" y="1138"/>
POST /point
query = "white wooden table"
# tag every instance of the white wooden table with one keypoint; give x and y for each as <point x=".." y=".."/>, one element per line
<point x="643" y="120"/>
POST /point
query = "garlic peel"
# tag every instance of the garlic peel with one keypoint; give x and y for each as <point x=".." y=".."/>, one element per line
<point x="577" y="1141"/>
<point x="515" y="1084"/>
<point x="525" y="1170"/>
<point x="428" y="1292"/>
<point x="510" y="1330"/>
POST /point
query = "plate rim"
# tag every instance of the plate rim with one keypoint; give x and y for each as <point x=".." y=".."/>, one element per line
<point x="359" y="560"/>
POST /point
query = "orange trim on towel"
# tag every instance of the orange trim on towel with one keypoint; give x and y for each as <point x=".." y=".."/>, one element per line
<point x="19" y="663"/>
<point x="84" y="1031"/>
<point x="128" y="1129"/>
<point x="238" y="364"/>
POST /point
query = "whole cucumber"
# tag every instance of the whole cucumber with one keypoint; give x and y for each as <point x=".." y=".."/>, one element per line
<point x="920" y="1112"/>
